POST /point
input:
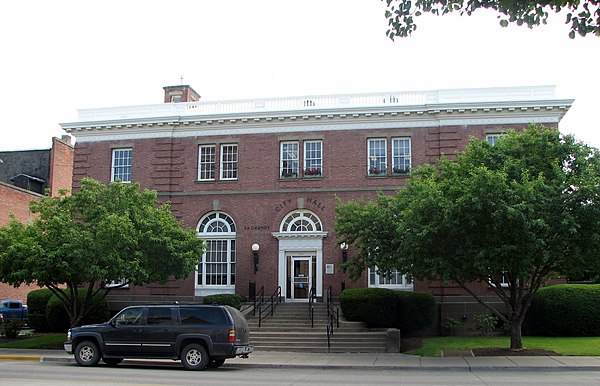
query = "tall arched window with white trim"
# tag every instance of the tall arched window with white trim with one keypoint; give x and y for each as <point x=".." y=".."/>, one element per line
<point x="217" y="269"/>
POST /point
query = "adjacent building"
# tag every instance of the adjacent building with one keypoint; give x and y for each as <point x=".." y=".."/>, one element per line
<point x="259" y="179"/>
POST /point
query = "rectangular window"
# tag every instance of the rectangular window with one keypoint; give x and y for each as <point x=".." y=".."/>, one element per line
<point x="121" y="165"/>
<point x="206" y="162"/>
<point x="377" y="156"/>
<point x="313" y="158"/>
<point x="229" y="162"/>
<point x="393" y="280"/>
<point x="493" y="138"/>
<point x="289" y="160"/>
<point x="401" y="155"/>
<point x="218" y="264"/>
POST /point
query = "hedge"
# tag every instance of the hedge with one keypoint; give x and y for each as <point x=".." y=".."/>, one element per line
<point x="37" y="300"/>
<point x="565" y="310"/>
<point x="374" y="306"/>
<point x="58" y="318"/>
<point x="414" y="311"/>
<point x="233" y="300"/>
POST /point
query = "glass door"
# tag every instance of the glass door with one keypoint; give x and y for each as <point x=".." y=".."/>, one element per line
<point x="301" y="275"/>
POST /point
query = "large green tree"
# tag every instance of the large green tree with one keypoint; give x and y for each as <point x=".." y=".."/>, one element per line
<point x="514" y="215"/>
<point x="584" y="16"/>
<point x="100" y="234"/>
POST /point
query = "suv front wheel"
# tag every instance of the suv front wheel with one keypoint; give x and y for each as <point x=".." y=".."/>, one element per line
<point x="87" y="353"/>
<point x="194" y="357"/>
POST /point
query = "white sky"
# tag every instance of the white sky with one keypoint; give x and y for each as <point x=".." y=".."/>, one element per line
<point x="60" y="56"/>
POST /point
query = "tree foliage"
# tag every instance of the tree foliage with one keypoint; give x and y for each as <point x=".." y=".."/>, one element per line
<point x="515" y="215"/>
<point x="100" y="234"/>
<point x="583" y="16"/>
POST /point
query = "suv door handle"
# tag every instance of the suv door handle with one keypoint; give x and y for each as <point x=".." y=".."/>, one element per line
<point x="137" y="330"/>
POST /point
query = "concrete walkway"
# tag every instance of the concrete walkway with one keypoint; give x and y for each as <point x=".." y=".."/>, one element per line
<point x="370" y="361"/>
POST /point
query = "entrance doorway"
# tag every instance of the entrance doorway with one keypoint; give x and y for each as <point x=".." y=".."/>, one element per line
<point x="301" y="274"/>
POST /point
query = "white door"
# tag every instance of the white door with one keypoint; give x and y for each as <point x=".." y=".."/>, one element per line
<point x="301" y="278"/>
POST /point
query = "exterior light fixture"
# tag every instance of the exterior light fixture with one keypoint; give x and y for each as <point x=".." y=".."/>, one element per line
<point x="255" y="249"/>
<point x="344" y="248"/>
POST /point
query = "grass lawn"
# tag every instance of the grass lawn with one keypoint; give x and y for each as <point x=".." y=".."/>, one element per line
<point x="563" y="346"/>
<point x="36" y="341"/>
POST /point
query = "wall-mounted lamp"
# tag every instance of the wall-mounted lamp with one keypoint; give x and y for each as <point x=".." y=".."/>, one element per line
<point x="344" y="248"/>
<point x="255" y="249"/>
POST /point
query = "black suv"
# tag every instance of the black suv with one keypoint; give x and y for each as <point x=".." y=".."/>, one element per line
<point x="200" y="336"/>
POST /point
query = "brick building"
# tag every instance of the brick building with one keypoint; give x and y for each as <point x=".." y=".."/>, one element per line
<point x="258" y="179"/>
<point x="24" y="176"/>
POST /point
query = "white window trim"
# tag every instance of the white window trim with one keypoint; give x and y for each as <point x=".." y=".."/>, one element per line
<point x="297" y="159"/>
<point x="222" y="161"/>
<point x="369" y="156"/>
<point x="113" y="166"/>
<point x="214" y="161"/>
<point x="394" y="156"/>
<point x="228" y="236"/>
<point x="305" y="149"/>
<point x="405" y="286"/>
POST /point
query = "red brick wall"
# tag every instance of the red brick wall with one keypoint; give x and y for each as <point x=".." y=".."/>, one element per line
<point x="61" y="166"/>
<point x="259" y="199"/>
<point x="15" y="200"/>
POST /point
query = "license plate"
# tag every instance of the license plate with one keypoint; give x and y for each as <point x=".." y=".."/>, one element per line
<point x="244" y="350"/>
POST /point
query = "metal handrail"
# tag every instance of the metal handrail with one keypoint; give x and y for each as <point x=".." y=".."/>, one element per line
<point x="312" y="296"/>
<point x="269" y="306"/>
<point x="259" y="299"/>
<point x="333" y="311"/>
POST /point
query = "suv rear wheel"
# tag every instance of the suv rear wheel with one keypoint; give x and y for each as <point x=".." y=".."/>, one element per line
<point x="194" y="357"/>
<point x="87" y="353"/>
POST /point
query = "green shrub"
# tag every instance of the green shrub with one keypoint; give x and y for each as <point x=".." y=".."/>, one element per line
<point x="11" y="327"/>
<point x="233" y="300"/>
<point x="451" y="326"/>
<point x="58" y="318"/>
<point x="374" y="306"/>
<point x="485" y="323"/>
<point x="565" y="310"/>
<point x="414" y="311"/>
<point x="37" y="300"/>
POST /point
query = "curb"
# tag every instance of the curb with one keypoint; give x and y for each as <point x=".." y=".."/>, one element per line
<point x="29" y="358"/>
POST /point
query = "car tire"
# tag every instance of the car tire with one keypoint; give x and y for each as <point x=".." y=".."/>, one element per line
<point x="194" y="357"/>
<point x="87" y="353"/>
<point x="215" y="363"/>
<point x="112" y="361"/>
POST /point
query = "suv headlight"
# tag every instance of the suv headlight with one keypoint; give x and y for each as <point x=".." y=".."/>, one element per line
<point x="69" y="336"/>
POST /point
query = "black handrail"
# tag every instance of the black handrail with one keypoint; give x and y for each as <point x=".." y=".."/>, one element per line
<point x="312" y="296"/>
<point x="333" y="311"/>
<point x="269" y="306"/>
<point x="259" y="299"/>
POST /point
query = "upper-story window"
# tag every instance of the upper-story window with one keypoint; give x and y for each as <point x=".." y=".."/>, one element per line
<point x="401" y="155"/>
<point x="289" y="160"/>
<point x="377" y="156"/>
<point x="229" y="162"/>
<point x="313" y="158"/>
<point x="121" y="165"/>
<point x="206" y="162"/>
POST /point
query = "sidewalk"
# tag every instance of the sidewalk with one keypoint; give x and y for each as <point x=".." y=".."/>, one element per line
<point x="370" y="361"/>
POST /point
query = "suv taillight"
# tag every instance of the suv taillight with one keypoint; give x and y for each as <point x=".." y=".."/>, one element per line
<point x="231" y="336"/>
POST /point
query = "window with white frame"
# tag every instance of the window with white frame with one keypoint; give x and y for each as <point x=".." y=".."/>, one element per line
<point x="392" y="280"/>
<point x="121" y="283"/>
<point x="121" y="165"/>
<point x="206" y="162"/>
<point x="313" y="158"/>
<point x="377" y="156"/>
<point x="229" y="162"/>
<point x="301" y="221"/>
<point x="289" y="160"/>
<point x="493" y="138"/>
<point x="401" y="155"/>
<point x="217" y="268"/>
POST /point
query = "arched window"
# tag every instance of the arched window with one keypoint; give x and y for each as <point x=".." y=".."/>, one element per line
<point x="301" y="221"/>
<point x="218" y="262"/>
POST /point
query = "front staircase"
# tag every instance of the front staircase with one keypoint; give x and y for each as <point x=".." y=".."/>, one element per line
<point x="289" y="329"/>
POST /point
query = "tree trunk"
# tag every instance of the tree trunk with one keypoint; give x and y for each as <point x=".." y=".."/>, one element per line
<point x="516" y="343"/>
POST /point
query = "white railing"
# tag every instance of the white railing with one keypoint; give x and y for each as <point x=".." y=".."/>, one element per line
<point x="318" y="102"/>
